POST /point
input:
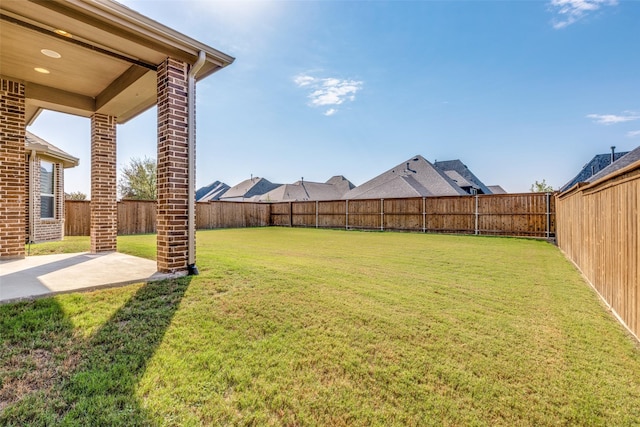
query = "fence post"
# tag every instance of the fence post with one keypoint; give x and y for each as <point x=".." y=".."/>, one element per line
<point x="381" y="214"/>
<point x="316" y="214"/>
<point x="346" y="220"/>
<point x="548" y="216"/>
<point x="424" y="214"/>
<point x="290" y="214"/>
<point x="476" y="226"/>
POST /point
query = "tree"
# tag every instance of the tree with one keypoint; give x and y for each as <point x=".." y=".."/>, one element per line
<point x="76" y="195"/>
<point x="541" y="187"/>
<point x="138" y="180"/>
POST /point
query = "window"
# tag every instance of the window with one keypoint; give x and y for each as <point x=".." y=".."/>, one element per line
<point x="47" y="188"/>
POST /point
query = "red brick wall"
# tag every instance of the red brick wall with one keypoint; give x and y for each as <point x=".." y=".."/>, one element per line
<point x="104" y="211"/>
<point x="172" y="177"/>
<point x="13" y="191"/>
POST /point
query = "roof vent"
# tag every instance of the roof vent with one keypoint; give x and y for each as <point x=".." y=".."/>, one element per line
<point x="613" y="153"/>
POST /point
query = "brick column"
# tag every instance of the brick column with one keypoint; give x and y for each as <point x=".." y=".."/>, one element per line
<point x="172" y="179"/>
<point x="13" y="188"/>
<point x="104" y="210"/>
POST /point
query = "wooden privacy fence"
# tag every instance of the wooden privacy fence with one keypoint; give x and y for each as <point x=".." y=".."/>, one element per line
<point x="77" y="218"/>
<point x="231" y="215"/>
<point x="139" y="216"/>
<point x="598" y="228"/>
<point x="134" y="217"/>
<point x="526" y="214"/>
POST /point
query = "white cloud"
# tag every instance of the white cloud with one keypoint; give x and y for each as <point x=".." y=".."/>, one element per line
<point x="302" y="81"/>
<point x="609" y="119"/>
<point x="633" y="133"/>
<point x="570" y="11"/>
<point x="328" y="91"/>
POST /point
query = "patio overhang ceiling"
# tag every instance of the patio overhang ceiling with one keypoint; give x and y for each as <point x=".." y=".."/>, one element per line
<point x="108" y="56"/>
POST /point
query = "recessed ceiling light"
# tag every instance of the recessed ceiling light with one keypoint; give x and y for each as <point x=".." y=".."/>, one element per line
<point x="51" y="53"/>
<point x="42" y="70"/>
<point x="63" y="33"/>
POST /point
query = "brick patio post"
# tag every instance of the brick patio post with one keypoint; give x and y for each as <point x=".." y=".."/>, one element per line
<point x="172" y="178"/>
<point x="13" y="188"/>
<point x="104" y="210"/>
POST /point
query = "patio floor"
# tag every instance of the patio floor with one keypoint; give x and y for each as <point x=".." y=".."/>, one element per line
<point x="43" y="275"/>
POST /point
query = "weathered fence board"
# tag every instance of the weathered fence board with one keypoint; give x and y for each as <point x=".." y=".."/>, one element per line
<point x="599" y="229"/>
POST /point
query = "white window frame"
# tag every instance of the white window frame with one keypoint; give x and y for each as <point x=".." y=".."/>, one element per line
<point x="53" y="186"/>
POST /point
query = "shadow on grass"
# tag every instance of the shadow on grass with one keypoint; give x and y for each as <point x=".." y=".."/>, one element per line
<point x="92" y="382"/>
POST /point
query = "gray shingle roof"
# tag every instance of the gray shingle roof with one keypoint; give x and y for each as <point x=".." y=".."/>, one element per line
<point x="460" y="180"/>
<point x="593" y="167"/>
<point x="41" y="146"/>
<point x="412" y="178"/>
<point x="333" y="189"/>
<point x="624" y="161"/>
<point x="463" y="171"/>
<point x="249" y="189"/>
<point x="496" y="189"/>
<point x="342" y="183"/>
<point x="212" y="191"/>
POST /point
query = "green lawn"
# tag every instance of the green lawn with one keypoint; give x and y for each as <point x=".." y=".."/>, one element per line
<point x="323" y="327"/>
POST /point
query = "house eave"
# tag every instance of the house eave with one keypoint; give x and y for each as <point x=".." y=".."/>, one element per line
<point x="45" y="151"/>
<point x="154" y="33"/>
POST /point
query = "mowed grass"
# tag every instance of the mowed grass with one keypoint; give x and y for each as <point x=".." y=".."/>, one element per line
<point x="324" y="327"/>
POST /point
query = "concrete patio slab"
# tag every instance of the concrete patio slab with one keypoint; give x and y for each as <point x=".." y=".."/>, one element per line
<point x="43" y="275"/>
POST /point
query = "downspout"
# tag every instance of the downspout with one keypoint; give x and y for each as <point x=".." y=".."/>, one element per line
<point x="32" y="160"/>
<point x="191" y="145"/>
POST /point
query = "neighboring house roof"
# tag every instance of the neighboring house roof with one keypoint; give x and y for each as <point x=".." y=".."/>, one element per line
<point x="598" y="163"/>
<point x="248" y="190"/>
<point x="46" y="149"/>
<point x="496" y="189"/>
<point x="413" y="178"/>
<point x="460" y="180"/>
<point x="463" y="171"/>
<point x="333" y="189"/>
<point x="212" y="191"/>
<point x="342" y="183"/>
<point x="624" y="161"/>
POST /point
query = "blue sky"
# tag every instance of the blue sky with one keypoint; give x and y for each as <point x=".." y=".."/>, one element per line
<point x="518" y="90"/>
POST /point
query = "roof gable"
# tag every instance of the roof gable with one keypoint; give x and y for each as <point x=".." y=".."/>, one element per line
<point x="212" y="191"/>
<point x="249" y="188"/>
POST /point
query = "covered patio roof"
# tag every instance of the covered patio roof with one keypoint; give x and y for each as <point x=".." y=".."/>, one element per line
<point x="90" y="56"/>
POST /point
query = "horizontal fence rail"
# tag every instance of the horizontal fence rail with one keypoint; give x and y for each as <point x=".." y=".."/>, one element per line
<point x="599" y="230"/>
<point x="527" y="214"/>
